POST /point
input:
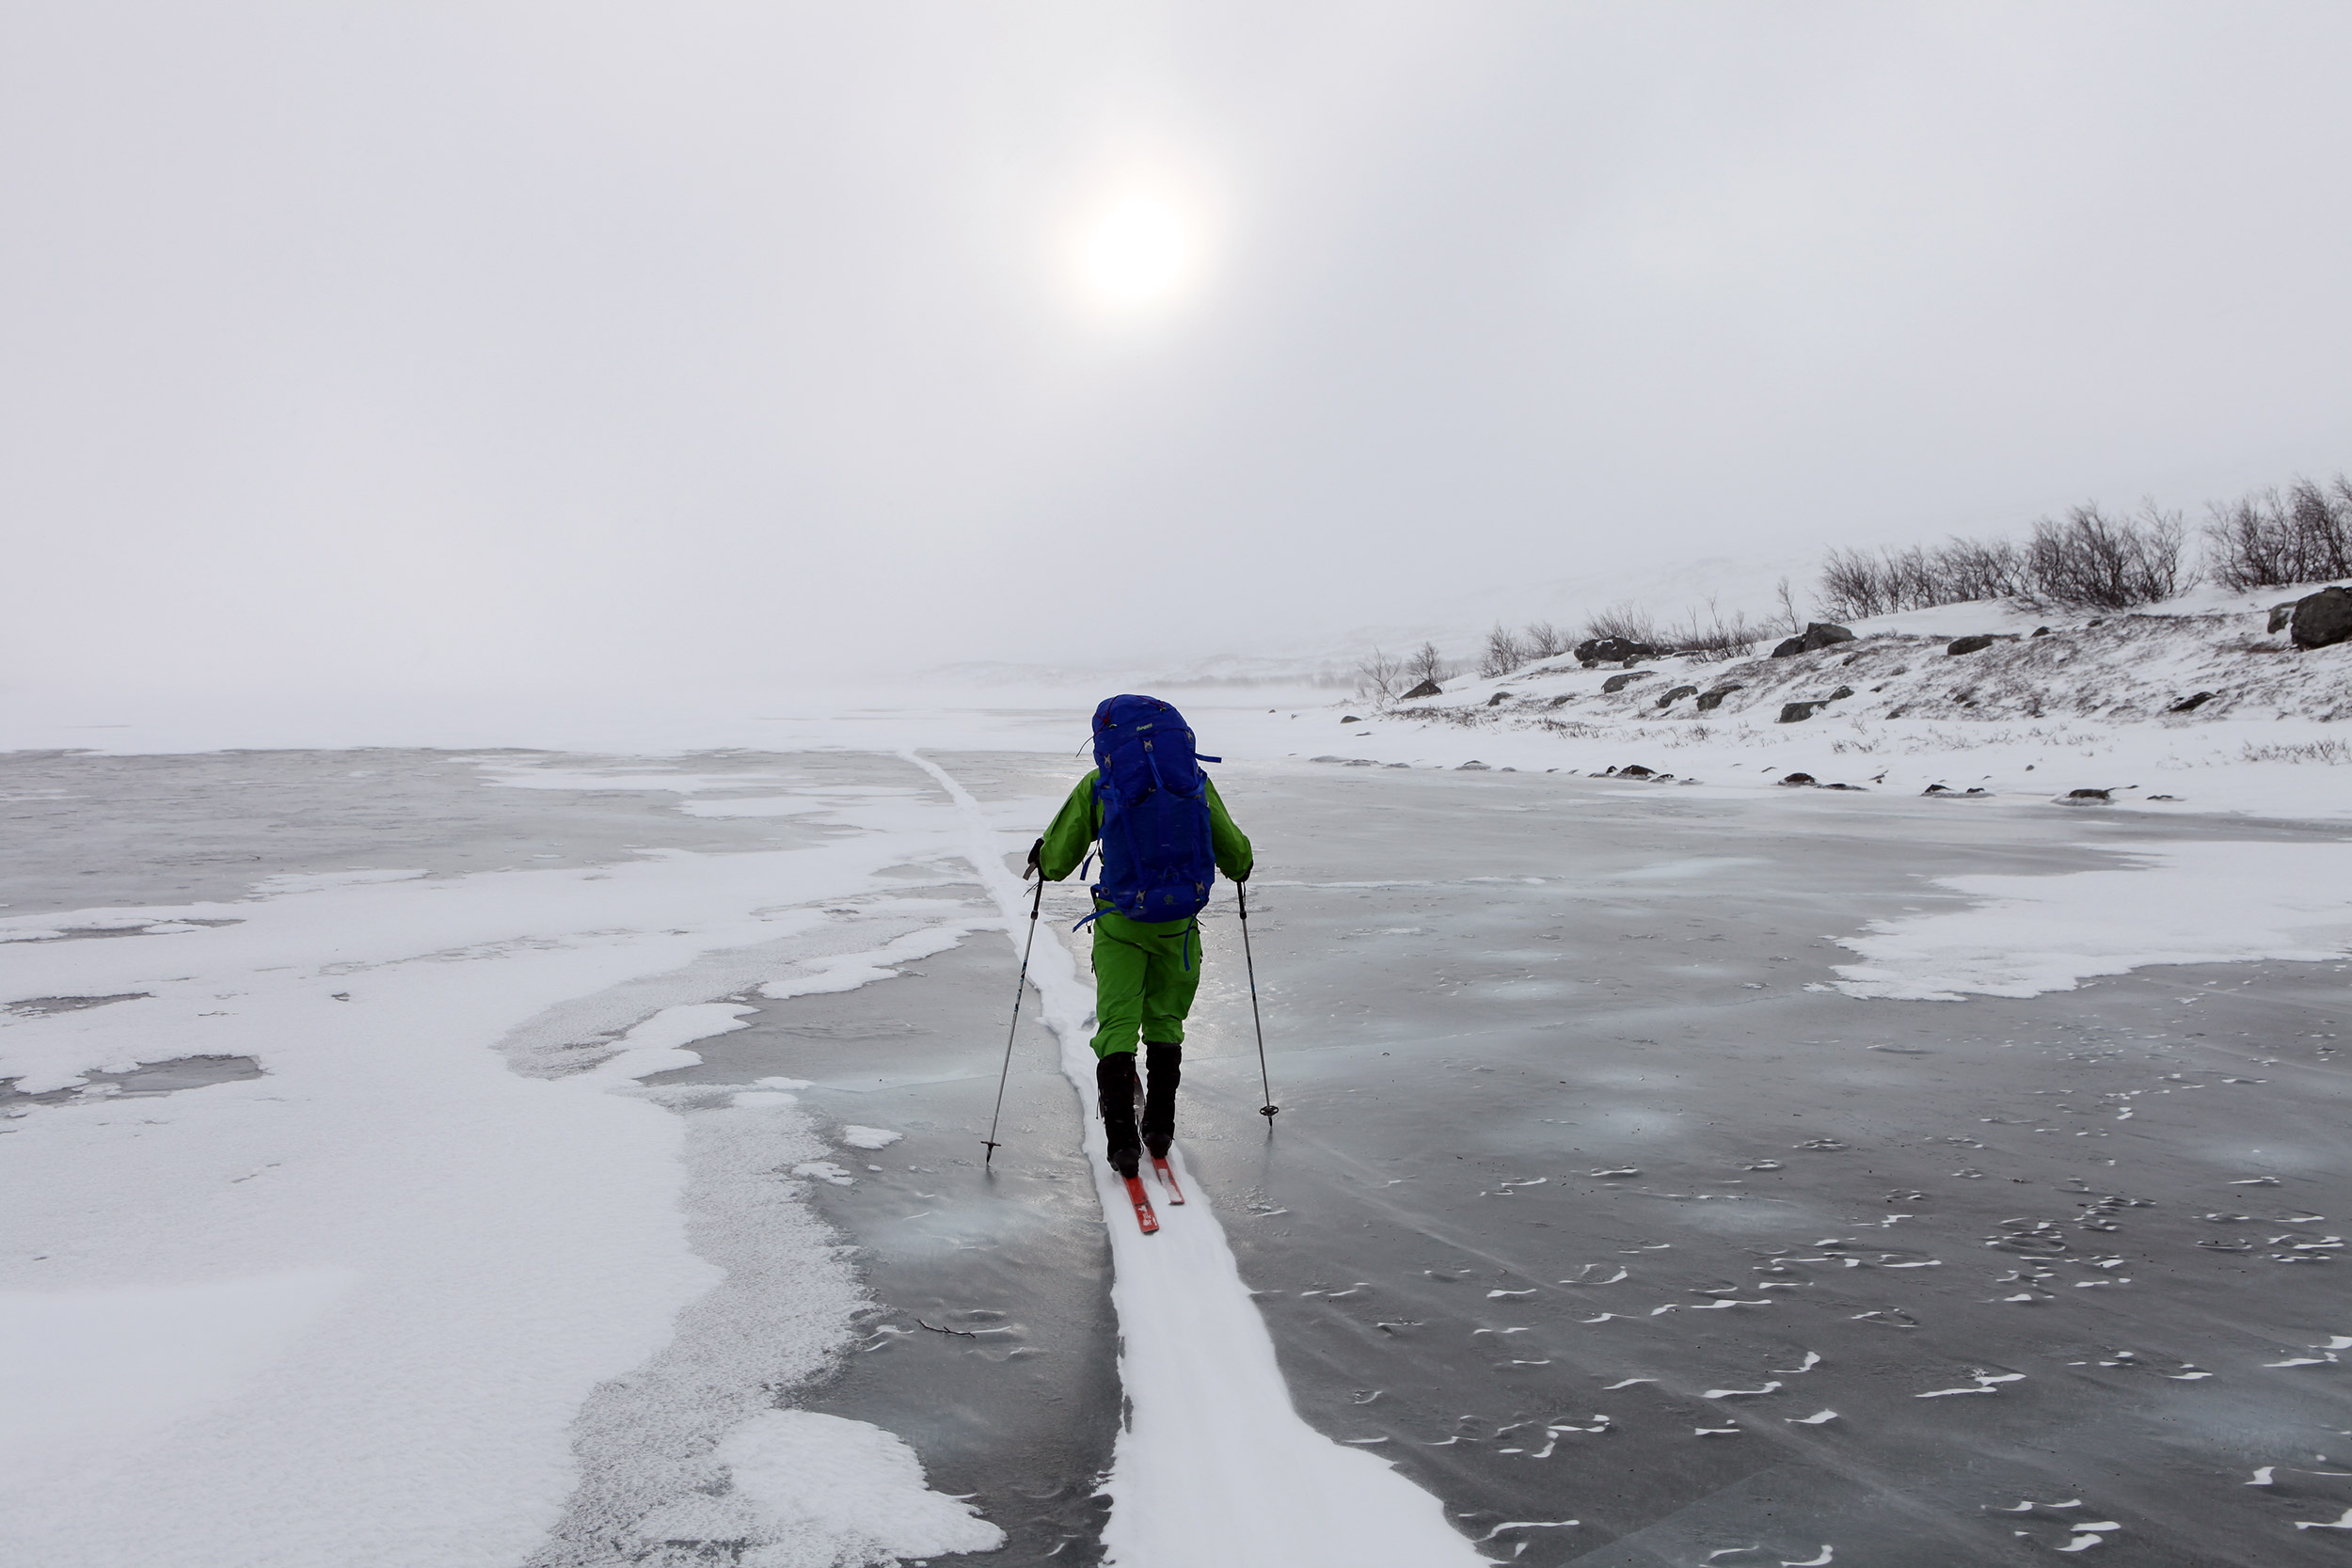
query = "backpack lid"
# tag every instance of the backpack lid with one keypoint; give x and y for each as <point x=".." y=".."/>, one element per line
<point x="1120" y="720"/>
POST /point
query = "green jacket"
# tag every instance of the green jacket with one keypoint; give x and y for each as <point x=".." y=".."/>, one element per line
<point x="1079" y="823"/>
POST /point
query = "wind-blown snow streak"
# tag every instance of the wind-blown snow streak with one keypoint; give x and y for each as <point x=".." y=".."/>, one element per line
<point x="1214" y="1465"/>
<point x="2185" y="903"/>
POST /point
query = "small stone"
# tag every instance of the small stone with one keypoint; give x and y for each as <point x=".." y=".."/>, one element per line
<point x="1498" y="699"/>
<point x="1968" y="644"/>
<point x="1616" y="684"/>
<point x="1351" y="719"/>
<point x="1677" y="694"/>
<point x="1710" y="701"/>
<point x="1799" y="779"/>
<point x="2190" y="704"/>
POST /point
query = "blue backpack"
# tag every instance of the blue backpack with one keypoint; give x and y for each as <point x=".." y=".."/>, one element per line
<point x="1157" y="861"/>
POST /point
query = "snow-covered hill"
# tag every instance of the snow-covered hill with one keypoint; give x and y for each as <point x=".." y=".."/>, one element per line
<point x="2052" y="703"/>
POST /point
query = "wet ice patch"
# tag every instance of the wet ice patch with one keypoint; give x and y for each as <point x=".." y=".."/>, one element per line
<point x="825" y="1489"/>
<point x="2182" y="904"/>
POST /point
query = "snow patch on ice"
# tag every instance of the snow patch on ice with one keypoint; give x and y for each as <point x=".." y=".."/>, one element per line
<point x="831" y="1490"/>
<point x="2182" y="904"/>
<point x="869" y="1137"/>
<point x="850" y="971"/>
<point x="659" y="1044"/>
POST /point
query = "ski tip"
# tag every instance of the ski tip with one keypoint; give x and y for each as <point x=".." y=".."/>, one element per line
<point x="1144" y="1216"/>
<point x="1167" y="1179"/>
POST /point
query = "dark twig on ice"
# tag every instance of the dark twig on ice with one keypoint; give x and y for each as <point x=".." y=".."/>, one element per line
<point x="963" y="1333"/>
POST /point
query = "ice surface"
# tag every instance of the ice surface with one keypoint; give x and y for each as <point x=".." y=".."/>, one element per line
<point x="569" y="1283"/>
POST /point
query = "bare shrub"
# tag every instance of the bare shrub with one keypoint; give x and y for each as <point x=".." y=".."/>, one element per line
<point x="1625" y="621"/>
<point x="1853" y="588"/>
<point x="2336" y="754"/>
<point x="1504" y="653"/>
<point x="1790" y="618"/>
<point x="1425" y="664"/>
<point x="2094" y="561"/>
<point x="1856" y="585"/>
<point x="1545" y="641"/>
<point x="1713" y="639"/>
<point x="1376" y="677"/>
<point x="2266" y="540"/>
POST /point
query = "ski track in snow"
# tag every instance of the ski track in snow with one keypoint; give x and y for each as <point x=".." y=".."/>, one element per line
<point x="1214" y="1465"/>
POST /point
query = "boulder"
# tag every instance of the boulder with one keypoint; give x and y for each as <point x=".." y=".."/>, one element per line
<point x="1635" y="772"/>
<point x="1710" y="701"/>
<point x="2281" y="614"/>
<point x="1799" y="779"/>
<point x="1797" y="713"/>
<point x="2042" y="631"/>
<point x="2322" y="619"/>
<point x="1426" y="689"/>
<point x="1614" y="650"/>
<point x="1819" y="634"/>
<point x="1474" y="766"/>
<point x="1616" y="684"/>
<point x="2190" y="704"/>
<point x="1350" y="719"/>
<point x="1969" y="644"/>
<point x="1842" y="692"/>
<point x="1498" y="699"/>
<point x="2088" y="797"/>
<point x="1677" y="694"/>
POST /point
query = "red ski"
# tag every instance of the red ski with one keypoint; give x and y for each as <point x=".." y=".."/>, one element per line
<point x="1135" y="1194"/>
<point x="1167" y="1179"/>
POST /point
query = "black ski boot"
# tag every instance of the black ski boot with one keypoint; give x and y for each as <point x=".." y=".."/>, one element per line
<point x="1159" y="1096"/>
<point x="1115" y="1076"/>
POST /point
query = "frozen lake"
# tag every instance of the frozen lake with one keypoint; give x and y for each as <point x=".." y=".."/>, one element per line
<point x="1595" y="1208"/>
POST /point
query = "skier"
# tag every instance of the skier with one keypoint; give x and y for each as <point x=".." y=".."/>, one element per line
<point x="1165" y="835"/>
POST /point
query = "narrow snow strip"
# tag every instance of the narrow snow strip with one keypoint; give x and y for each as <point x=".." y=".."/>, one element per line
<point x="2182" y="904"/>
<point x="1215" y="1465"/>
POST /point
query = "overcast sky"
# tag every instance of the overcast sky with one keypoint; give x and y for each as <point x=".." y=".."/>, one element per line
<point x="431" y="343"/>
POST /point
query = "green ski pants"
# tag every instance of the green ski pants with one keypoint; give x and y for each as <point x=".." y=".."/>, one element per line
<point x="1144" y="980"/>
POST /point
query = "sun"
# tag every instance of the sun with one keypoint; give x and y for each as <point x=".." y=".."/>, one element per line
<point x="1138" y="250"/>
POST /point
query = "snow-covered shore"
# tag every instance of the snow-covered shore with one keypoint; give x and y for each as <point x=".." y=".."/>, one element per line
<point x="2198" y="708"/>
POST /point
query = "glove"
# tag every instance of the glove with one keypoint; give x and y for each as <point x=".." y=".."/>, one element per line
<point x="1034" y="868"/>
<point x="1244" y="877"/>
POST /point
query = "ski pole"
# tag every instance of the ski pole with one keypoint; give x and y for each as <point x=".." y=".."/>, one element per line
<point x="1017" y="986"/>
<point x="1241" y="890"/>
